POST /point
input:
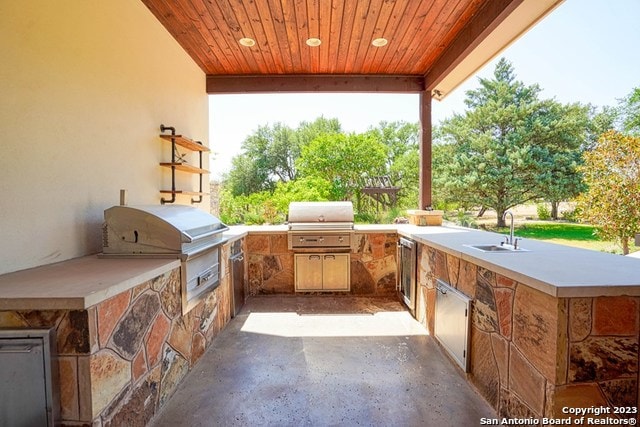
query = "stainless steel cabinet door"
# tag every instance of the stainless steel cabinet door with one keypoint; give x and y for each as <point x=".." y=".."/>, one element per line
<point x="308" y="272"/>
<point x="23" y="396"/>
<point x="452" y="322"/>
<point x="335" y="272"/>
<point x="237" y="280"/>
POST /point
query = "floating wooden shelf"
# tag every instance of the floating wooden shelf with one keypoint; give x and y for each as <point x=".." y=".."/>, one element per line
<point x="184" y="167"/>
<point x="187" y="143"/>
<point x="177" y="163"/>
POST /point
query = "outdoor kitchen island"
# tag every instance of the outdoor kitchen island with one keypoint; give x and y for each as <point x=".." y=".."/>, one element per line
<point x="553" y="328"/>
<point x="123" y="342"/>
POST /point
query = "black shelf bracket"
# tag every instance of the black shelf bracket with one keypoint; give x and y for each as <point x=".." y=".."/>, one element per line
<point x="164" y="128"/>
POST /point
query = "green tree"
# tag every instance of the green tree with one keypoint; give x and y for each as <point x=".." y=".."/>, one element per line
<point x="612" y="173"/>
<point x="404" y="172"/>
<point x="600" y="121"/>
<point x="505" y="145"/>
<point x="269" y="155"/>
<point x="441" y="155"/>
<point x="401" y="140"/>
<point x="308" y="131"/>
<point x="246" y="176"/>
<point x="342" y="160"/>
<point x="562" y="131"/>
<point x="399" y="137"/>
<point x="629" y="111"/>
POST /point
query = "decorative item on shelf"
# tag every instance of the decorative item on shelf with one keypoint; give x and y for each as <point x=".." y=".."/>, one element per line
<point x="425" y="217"/>
<point x="179" y="163"/>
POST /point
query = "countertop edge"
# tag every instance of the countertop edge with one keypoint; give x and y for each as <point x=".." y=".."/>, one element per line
<point x="80" y="297"/>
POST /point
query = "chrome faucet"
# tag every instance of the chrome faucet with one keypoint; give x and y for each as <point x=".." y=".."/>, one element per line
<point x="509" y="240"/>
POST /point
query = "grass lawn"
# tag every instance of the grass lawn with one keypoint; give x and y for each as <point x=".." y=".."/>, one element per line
<point x="565" y="233"/>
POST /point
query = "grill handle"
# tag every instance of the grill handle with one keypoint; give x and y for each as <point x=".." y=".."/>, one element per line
<point x="189" y="239"/>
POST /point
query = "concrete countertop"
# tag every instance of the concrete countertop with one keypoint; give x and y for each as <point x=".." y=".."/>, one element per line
<point x="557" y="270"/>
<point x="238" y="231"/>
<point x="78" y="283"/>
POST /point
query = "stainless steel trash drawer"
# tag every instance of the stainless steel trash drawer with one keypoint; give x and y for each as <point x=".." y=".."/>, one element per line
<point x="28" y="395"/>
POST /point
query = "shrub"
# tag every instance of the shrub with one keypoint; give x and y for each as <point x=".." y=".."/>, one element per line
<point x="544" y="213"/>
<point x="571" y="215"/>
<point x="466" y="220"/>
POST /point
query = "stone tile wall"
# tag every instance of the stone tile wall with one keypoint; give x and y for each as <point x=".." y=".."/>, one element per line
<point x="373" y="264"/>
<point x="532" y="354"/>
<point x="270" y="264"/>
<point x="120" y="361"/>
<point x="602" y="360"/>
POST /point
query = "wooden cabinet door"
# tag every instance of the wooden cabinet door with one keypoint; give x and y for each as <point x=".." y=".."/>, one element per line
<point x="308" y="272"/>
<point x="335" y="272"/>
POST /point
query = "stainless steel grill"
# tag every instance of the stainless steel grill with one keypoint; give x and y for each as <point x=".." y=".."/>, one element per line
<point x="169" y="231"/>
<point x="320" y="225"/>
<point x="321" y="234"/>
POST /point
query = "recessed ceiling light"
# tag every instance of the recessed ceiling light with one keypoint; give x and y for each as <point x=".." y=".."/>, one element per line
<point x="379" y="42"/>
<point x="313" y="42"/>
<point x="247" y="41"/>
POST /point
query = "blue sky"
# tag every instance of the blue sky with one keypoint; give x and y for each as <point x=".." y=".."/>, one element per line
<point x="585" y="51"/>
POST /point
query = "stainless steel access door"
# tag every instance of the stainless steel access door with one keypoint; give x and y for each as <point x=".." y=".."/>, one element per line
<point x="237" y="280"/>
<point x="407" y="257"/>
<point x="28" y="391"/>
<point x="452" y="322"/>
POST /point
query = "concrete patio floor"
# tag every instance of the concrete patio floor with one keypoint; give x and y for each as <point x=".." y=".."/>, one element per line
<point x="324" y="361"/>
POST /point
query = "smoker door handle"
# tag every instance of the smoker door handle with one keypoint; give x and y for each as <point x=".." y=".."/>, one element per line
<point x="237" y="258"/>
<point x="24" y="348"/>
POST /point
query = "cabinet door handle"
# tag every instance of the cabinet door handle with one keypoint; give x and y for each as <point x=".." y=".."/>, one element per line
<point x="314" y="257"/>
<point x="329" y="257"/>
<point x="26" y="348"/>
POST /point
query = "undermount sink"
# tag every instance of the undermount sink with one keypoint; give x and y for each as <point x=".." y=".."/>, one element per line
<point x="497" y="248"/>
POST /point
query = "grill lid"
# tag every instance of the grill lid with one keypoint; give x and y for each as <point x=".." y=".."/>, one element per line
<point x="320" y="213"/>
<point x="159" y="229"/>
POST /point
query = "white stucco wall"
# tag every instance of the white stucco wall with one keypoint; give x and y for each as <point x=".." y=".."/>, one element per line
<point x="84" y="87"/>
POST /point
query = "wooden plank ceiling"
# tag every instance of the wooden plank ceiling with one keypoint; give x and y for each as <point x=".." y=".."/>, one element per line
<point x="418" y="33"/>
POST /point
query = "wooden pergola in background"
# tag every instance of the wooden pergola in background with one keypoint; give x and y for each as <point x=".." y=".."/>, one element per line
<point x="427" y="47"/>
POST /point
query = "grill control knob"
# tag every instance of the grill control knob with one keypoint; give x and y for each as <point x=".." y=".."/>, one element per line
<point x="321" y="239"/>
<point x="340" y="239"/>
<point x="301" y="239"/>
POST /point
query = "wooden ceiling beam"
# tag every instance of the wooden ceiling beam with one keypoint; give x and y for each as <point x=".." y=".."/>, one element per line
<point x="479" y="27"/>
<point x="220" y="84"/>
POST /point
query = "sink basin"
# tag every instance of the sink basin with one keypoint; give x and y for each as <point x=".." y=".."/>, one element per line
<point x="496" y="248"/>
